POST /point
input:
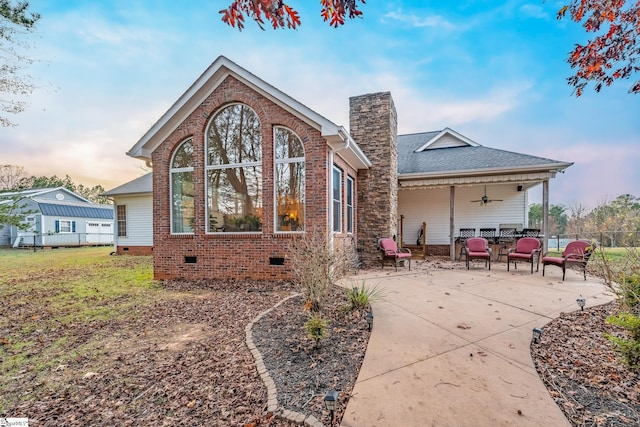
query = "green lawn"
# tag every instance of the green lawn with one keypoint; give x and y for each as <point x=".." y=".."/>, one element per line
<point x="45" y="295"/>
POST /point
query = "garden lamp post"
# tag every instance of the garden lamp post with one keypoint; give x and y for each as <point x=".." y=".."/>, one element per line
<point x="330" y="402"/>
<point x="581" y="302"/>
<point x="537" y="333"/>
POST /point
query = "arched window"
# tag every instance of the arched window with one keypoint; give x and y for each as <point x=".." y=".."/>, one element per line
<point x="289" y="180"/>
<point x="181" y="172"/>
<point x="234" y="170"/>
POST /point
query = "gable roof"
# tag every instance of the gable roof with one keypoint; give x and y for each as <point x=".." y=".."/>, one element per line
<point x="337" y="137"/>
<point x="36" y="192"/>
<point x="76" y="207"/>
<point x="416" y="160"/>
<point x="140" y="185"/>
<point x="74" y="210"/>
<point x="446" y="138"/>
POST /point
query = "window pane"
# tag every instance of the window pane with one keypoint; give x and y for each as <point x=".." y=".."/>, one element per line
<point x="349" y="205"/>
<point x="337" y="218"/>
<point x="234" y="137"/>
<point x="287" y="144"/>
<point x="337" y="200"/>
<point x="235" y="199"/>
<point x="290" y="188"/>
<point x="122" y="220"/>
<point x="183" y="156"/>
<point x="182" y="202"/>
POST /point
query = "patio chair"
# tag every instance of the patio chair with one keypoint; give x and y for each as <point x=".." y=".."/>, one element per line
<point x="576" y="254"/>
<point x="527" y="249"/>
<point x="464" y="234"/>
<point x="389" y="250"/>
<point x="506" y="238"/>
<point x="478" y="248"/>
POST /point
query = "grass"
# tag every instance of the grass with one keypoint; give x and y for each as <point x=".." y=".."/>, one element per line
<point x="46" y="296"/>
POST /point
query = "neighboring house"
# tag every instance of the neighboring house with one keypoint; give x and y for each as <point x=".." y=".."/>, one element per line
<point x="241" y="169"/>
<point x="133" y="212"/>
<point x="58" y="217"/>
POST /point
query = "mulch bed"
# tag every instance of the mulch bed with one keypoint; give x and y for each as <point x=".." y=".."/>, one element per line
<point x="583" y="373"/>
<point x="302" y="372"/>
<point x="184" y="361"/>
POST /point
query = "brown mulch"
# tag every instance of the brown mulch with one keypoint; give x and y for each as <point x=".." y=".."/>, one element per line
<point x="583" y="373"/>
<point x="180" y="361"/>
<point x="304" y="372"/>
<point x="184" y="361"/>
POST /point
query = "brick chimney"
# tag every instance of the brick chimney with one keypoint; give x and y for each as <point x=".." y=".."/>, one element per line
<point x="373" y="124"/>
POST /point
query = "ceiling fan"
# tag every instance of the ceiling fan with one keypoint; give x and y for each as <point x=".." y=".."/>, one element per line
<point x="484" y="199"/>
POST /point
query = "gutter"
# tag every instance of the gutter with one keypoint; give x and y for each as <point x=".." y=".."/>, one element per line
<point x="558" y="167"/>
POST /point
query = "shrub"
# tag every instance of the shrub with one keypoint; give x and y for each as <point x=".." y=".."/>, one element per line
<point x="629" y="348"/>
<point x="362" y="296"/>
<point x="623" y="278"/>
<point x="317" y="328"/>
<point x="316" y="266"/>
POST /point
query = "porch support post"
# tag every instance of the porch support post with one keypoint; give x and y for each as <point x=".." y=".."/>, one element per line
<point x="545" y="215"/>
<point x="452" y="235"/>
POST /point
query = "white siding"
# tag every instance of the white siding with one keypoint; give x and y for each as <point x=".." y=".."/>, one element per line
<point x="447" y="141"/>
<point x="432" y="207"/>
<point x="139" y="220"/>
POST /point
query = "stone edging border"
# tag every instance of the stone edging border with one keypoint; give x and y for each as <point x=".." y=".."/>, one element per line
<point x="272" y="394"/>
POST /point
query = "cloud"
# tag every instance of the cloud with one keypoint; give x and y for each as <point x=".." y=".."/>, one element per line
<point x="534" y="11"/>
<point x="433" y="21"/>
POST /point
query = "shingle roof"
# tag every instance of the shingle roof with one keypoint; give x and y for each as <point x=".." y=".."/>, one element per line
<point x="76" y="210"/>
<point x="447" y="160"/>
<point x="140" y="185"/>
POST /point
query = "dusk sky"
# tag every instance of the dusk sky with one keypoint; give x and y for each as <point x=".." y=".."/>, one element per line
<point x="493" y="71"/>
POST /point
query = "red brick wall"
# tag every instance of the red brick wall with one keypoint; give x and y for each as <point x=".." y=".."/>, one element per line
<point x="134" y="250"/>
<point x="234" y="255"/>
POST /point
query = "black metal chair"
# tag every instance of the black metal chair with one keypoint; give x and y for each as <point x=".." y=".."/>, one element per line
<point x="506" y="238"/>
<point x="488" y="233"/>
<point x="530" y="232"/>
<point x="465" y="233"/>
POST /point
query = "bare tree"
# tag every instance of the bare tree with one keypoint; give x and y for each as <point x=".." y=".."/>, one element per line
<point x="15" y="22"/>
<point x="10" y="176"/>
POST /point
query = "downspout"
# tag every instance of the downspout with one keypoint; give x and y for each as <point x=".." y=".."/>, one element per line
<point x="341" y="146"/>
<point x="330" y="200"/>
<point x="115" y="223"/>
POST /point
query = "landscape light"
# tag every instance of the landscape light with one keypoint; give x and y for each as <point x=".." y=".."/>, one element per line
<point x="330" y="402"/>
<point x="537" y="333"/>
<point x="369" y="317"/>
<point x="581" y="302"/>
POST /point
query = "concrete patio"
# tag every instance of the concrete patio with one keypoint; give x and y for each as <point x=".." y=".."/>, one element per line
<point x="450" y="347"/>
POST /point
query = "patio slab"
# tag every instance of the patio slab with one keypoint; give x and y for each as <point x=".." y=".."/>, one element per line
<point x="452" y="347"/>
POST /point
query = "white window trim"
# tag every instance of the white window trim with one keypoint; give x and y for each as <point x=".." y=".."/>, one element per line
<point x="173" y="170"/>
<point x="70" y="222"/>
<point x="287" y="160"/>
<point x="208" y="168"/>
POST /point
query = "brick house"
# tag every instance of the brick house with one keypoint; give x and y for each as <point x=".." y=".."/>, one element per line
<point x="240" y="169"/>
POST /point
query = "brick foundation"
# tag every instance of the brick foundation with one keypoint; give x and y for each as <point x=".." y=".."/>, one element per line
<point x="134" y="250"/>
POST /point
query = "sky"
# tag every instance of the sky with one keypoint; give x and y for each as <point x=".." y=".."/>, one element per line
<point x="494" y="71"/>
